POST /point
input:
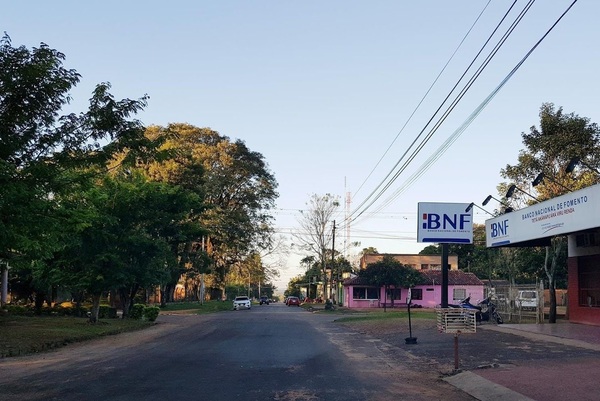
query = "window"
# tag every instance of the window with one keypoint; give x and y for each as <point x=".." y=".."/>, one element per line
<point x="424" y="266"/>
<point x="458" y="294"/>
<point x="416" y="294"/>
<point x="364" y="293"/>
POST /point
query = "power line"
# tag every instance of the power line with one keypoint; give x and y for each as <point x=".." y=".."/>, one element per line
<point x="448" y="110"/>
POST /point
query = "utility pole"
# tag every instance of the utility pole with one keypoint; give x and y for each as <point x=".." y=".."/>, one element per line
<point x="332" y="260"/>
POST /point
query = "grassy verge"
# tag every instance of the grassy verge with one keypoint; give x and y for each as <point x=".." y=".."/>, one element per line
<point x="389" y="315"/>
<point x="20" y="335"/>
<point x="197" y="307"/>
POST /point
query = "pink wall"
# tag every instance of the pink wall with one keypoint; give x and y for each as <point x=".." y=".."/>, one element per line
<point x="432" y="296"/>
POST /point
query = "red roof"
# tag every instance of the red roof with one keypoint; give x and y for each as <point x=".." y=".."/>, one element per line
<point x="434" y="277"/>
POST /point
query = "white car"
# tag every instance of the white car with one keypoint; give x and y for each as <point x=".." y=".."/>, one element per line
<point x="241" y="303"/>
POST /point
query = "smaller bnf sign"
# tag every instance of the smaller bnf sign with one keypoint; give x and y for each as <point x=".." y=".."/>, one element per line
<point x="445" y="223"/>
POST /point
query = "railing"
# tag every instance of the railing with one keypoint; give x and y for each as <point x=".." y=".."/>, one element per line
<point x="456" y="320"/>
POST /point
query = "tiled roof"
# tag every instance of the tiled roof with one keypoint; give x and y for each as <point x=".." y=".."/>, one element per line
<point x="455" y="277"/>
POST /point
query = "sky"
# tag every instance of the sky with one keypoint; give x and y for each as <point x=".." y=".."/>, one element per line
<point x="339" y="95"/>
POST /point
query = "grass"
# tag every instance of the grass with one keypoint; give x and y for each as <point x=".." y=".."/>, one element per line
<point x="22" y="335"/>
<point x="389" y="315"/>
<point x="197" y="307"/>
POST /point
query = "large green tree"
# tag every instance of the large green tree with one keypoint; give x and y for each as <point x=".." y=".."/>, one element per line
<point x="237" y="186"/>
<point x="40" y="149"/>
<point x="548" y="150"/>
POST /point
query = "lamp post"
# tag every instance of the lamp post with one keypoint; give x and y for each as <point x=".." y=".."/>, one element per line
<point x="468" y="209"/>
<point x="513" y="188"/>
<point x="575" y="161"/>
<point x="507" y="208"/>
<point x="540" y="178"/>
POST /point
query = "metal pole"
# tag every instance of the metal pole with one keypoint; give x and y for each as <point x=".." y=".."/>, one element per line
<point x="332" y="260"/>
<point x="444" y="275"/>
<point x="456" y="351"/>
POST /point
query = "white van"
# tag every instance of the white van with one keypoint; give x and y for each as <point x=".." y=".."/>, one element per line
<point x="527" y="299"/>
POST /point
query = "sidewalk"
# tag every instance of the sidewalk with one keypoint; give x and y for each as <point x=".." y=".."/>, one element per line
<point x="569" y="374"/>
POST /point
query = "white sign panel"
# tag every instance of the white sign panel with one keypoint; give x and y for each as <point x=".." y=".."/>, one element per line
<point x="445" y="223"/>
<point x="575" y="211"/>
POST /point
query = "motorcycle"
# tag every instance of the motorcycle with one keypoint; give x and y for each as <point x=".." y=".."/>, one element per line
<point x="490" y="311"/>
<point x="486" y="309"/>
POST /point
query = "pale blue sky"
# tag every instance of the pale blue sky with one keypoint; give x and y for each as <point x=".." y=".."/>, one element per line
<point x="322" y="88"/>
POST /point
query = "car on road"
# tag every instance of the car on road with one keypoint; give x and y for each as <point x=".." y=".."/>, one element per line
<point x="264" y="300"/>
<point x="293" y="301"/>
<point x="241" y="302"/>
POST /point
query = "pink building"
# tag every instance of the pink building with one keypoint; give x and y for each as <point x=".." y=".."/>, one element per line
<point x="358" y="294"/>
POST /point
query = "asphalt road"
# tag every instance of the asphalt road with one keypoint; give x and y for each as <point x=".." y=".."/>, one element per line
<point x="271" y="352"/>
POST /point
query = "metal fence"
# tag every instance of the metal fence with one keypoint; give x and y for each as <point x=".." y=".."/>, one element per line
<point x="519" y="303"/>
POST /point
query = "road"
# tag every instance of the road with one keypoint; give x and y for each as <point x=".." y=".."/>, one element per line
<point x="271" y="352"/>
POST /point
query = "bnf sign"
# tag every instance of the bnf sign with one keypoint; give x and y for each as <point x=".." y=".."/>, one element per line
<point x="445" y="223"/>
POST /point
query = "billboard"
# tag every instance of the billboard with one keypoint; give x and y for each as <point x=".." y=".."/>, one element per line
<point x="445" y="223"/>
<point x="575" y="211"/>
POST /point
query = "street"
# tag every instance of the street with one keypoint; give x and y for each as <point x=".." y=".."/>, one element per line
<point x="271" y="352"/>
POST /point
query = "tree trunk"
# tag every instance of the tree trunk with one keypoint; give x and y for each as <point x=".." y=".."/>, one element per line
<point x="552" y="254"/>
<point x="125" y="302"/>
<point x="552" y="312"/>
<point x="95" y="308"/>
<point x="163" y="298"/>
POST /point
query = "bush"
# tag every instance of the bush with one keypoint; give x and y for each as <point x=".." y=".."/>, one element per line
<point x="107" y="312"/>
<point x="151" y="313"/>
<point x="137" y="311"/>
<point x="18" y="310"/>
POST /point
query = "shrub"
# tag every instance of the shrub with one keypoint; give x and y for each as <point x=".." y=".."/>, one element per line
<point x="151" y="313"/>
<point x="137" y="311"/>
<point x="107" y="312"/>
<point x="18" y="310"/>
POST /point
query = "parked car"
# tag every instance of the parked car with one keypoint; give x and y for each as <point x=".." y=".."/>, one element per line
<point x="527" y="299"/>
<point x="241" y="302"/>
<point x="264" y="300"/>
<point x="293" y="301"/>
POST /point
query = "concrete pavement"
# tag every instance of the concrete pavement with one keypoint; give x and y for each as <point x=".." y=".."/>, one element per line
<point x="569" y="370"/>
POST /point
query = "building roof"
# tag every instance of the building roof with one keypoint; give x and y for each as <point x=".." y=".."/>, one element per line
<point x="455" y="277"/>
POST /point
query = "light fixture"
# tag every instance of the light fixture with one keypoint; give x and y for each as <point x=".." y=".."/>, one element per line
<point x="507" y="208"/>
<point x="540" y="178"/>
<point x="468" y="209"/>
<point x="513" y="188"/>
<point x="575" y="161"/>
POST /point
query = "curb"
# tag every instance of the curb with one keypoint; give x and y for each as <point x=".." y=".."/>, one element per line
<point x="483" y="389"/>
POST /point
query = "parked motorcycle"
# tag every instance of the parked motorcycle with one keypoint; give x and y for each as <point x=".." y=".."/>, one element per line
<point x="490" y="310"/>
<point x="485" y="309"/>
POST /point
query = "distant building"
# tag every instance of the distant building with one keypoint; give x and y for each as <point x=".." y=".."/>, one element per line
<point x="359" y="294"/>
<point x="418" y="262"/>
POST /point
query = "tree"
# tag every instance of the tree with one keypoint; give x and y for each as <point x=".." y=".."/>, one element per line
<point x="237" y="186"/>
<point x="43" y="154"/>
<point x="317" y="231"/>
<point x="388" y="272"/>
<point x="548" y="150"/>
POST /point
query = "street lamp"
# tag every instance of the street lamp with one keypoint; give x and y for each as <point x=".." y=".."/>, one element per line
<point x="513" y="188"/>
<point x="507" y="208"/>
<point x="540" y="178"/>
<point x="468" y="209"/>
<point x="575" y="161"/>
